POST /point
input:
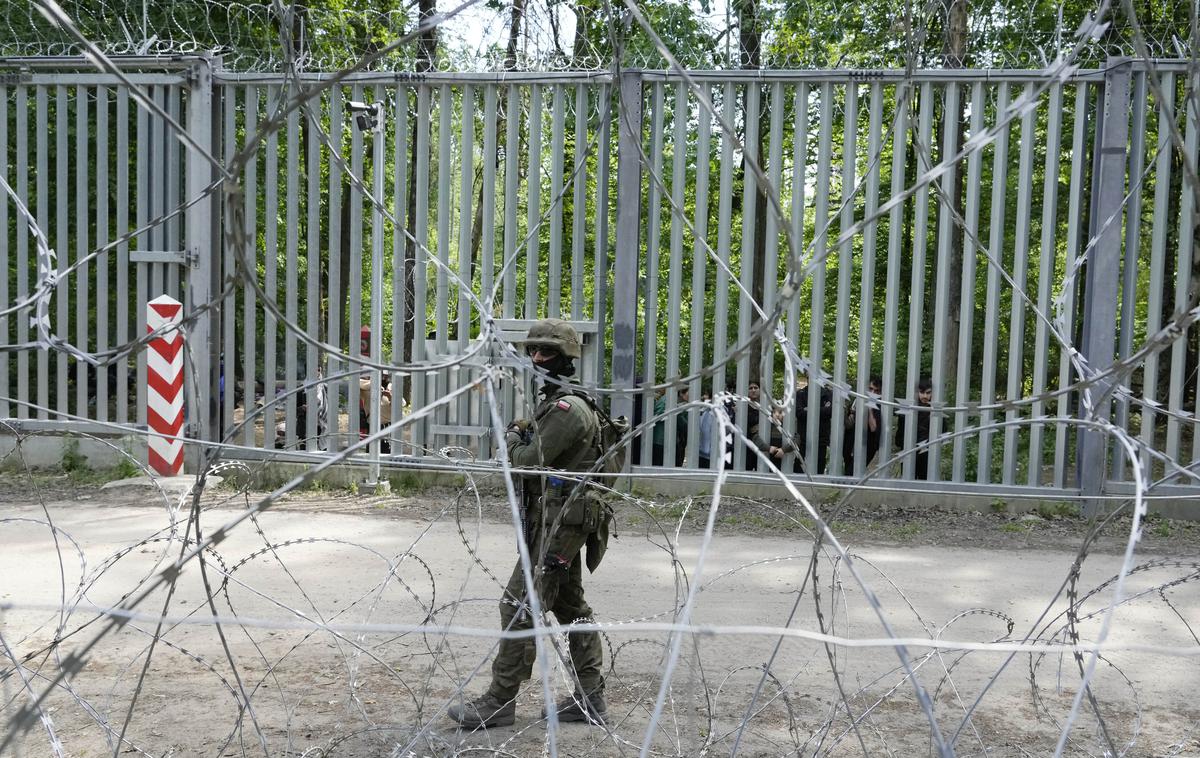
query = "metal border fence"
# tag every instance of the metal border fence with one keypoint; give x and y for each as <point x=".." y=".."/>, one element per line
<point x="920" y="207"/>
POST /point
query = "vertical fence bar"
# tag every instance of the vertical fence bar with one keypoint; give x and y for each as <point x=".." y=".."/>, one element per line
<point x="512" y="141"/>
<point x="400" y="294"/>
<point x="947" y="207"/>
<point x="653" y="246"/>
<point x="229" y="306"/>
<point x="122" y="232"/>
<point x="891" y="307"/>
<point x="271" y="265"/>
<point x="82" y="274"/>
<point x="62" y="245"/>
<point x="1065" y="303"/>
<point x="444" y="174"/>
<point x="378" y="169"/>
<point x="22" y="247"/>
<point x="970" y="250"/>
<point x="43" y="222"/>
<point x="579" y="206"/>
<point x="1183" y="278"/>
<point x="774" y="166"/>
<point x="103" y="279"/>
<point x="625" y="266"/>
<point x="465" y="272"/>
<point x="1016" y="325"/>
<point x="1048" y="255"/>
<point x="143" y="242"/>
<point x="172" y="175"/>
<point x="916" y="307"/>
<point x="533" y="201"/>
<point x="991" y="311"/>
<point x="292" y="286"/>
<point x="444" y="183"/>
<point x="557" y="148"/>
<point x="155" y="191"/>
<point x="699" y="270"/>
<point x="680" y="115"/>
<point x="421" y="259"/>
<point x="312" y="266"/>
<point x="509" y="259"/>
<point x="198" y="230"/>
<point x="5" y="391"/>
<point x="1187" y="244"/>
<point x="796" y="253"/>
<point x="866" y="327"/>
<point x="354" y="293"/>
<point x="816" y="337"/>
<point x="746" y="274"/>
<point x="250" y="264"/>
<point x="724" y="232"/>
<point x="837" y="428"/>
<point x="333" y="332"/>
<point x="1104" y="261"/>
<point x="600" y="267"/>
<point x="1130" y="268"/>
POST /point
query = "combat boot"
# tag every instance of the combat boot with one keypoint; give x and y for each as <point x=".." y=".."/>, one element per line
<point x="577" y="707"/>
<point x="484" y="711"/>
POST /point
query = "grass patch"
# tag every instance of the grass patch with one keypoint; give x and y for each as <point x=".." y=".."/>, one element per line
<point x="1058" y="510"/>
<point x="406" y="484"/>
<point x="1014" y="528"/>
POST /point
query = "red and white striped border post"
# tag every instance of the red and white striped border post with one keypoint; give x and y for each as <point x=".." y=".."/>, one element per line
<point x="164" y="380"/>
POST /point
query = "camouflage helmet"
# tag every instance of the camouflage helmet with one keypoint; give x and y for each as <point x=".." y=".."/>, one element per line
<point x="555" y="333"/>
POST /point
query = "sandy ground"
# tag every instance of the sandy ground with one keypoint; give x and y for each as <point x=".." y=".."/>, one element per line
<point x="358" y="620"/>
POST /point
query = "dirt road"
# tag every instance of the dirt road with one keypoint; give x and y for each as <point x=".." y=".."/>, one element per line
<point x="348" y="625"/>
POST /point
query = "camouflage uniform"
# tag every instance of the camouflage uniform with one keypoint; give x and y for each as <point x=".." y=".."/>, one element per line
<point x="563" y="433"/>
<point x="559" y="520"/>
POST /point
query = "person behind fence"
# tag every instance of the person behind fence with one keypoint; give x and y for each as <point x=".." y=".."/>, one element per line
<point x="559" y="517"/>
<point x="659" y="435"/>
<point x="753" y="422"/>
<point x="365" y="383"/>
<point x="776" y="442"/>
<point x="922" y="412"/>
<point x="824" y="424"/>
<point x="872" y="431"/>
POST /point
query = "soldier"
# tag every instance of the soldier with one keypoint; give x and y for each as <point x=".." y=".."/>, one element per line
<point x="558" y="522"/>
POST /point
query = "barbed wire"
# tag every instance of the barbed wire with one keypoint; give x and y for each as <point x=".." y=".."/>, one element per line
<point x="554" y="37"/>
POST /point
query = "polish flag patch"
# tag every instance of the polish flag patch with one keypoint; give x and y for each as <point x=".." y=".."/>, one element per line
<point x="563" y="405"/>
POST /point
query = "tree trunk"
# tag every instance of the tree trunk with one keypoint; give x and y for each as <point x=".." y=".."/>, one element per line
<point x="750" y="56"/>
<point x="955" y="54"/>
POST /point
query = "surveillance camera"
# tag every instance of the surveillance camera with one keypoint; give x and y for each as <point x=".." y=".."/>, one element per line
<point x="357" y="107"/>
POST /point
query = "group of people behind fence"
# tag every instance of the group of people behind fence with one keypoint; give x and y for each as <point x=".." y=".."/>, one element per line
<point x="810" y="437"/>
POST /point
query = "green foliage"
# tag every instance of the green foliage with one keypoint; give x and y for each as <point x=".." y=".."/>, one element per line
<point x="126" y="468"/>
<point x="73" y="462"/>
<point x="999" y="505"/>
<point x="406" y="484"/>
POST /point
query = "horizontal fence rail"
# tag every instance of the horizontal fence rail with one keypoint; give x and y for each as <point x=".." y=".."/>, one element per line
<point x="938" y="229"/>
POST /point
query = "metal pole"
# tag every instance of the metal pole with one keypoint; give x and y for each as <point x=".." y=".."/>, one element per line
<point x="1103" y="269"/>
<point x="202" y="261"/>
<point x="625" y="266"/>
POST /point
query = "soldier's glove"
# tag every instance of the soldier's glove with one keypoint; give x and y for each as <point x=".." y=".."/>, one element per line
<point x="554" y="562"/>
<point x="517" y="432"/>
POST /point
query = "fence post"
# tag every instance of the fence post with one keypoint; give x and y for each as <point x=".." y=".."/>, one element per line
<point x="628" y="240"/>
<point x="1103" y="269"/>
<point x="201" y="261"/>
